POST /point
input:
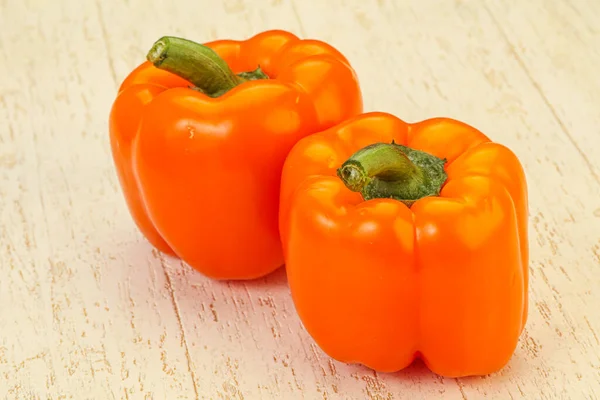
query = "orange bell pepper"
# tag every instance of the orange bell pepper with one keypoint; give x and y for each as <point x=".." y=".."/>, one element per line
<point x="407" y="241"/>
<point x="199" y="134"/>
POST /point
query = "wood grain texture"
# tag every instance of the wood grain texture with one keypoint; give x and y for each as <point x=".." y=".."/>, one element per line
<point x="89" y="311"/>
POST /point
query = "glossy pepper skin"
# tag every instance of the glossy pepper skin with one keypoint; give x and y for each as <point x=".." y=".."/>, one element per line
<point x="380" y="283"/>
<point x="200" y="173"/>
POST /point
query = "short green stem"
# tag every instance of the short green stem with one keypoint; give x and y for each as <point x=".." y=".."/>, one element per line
<point x="199" y="65"/>
<point x="390" y="170"/>
<point x="253" y="75"/>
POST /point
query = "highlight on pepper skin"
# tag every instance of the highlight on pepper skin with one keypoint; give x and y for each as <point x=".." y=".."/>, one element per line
<point x="407" y="240"/>
<point x="199" y="134"/>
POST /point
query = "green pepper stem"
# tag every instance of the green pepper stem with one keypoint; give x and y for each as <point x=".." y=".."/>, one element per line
<point x="384" y="170"/>
<point x="198" y="64"/>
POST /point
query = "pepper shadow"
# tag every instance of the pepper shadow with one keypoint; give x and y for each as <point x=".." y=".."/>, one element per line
<point x="275" y="279"/>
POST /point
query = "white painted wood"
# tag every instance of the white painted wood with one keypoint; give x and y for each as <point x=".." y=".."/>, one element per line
<point x="89" y="311"/>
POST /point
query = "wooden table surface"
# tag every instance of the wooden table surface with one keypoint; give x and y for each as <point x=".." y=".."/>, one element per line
<point x="89" y="311"/>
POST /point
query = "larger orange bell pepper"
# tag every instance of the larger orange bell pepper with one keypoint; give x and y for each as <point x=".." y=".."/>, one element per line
<point x="199" y="135"/>
<point x="407" y="240"/>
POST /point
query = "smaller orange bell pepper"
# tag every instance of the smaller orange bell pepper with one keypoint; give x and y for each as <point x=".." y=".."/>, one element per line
<point x="407" y="241"/>
<point x="199" y="134"/>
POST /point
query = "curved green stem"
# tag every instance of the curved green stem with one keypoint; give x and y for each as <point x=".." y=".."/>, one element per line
<point x="198" y="64"/>
<point x="390" y="170"/>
